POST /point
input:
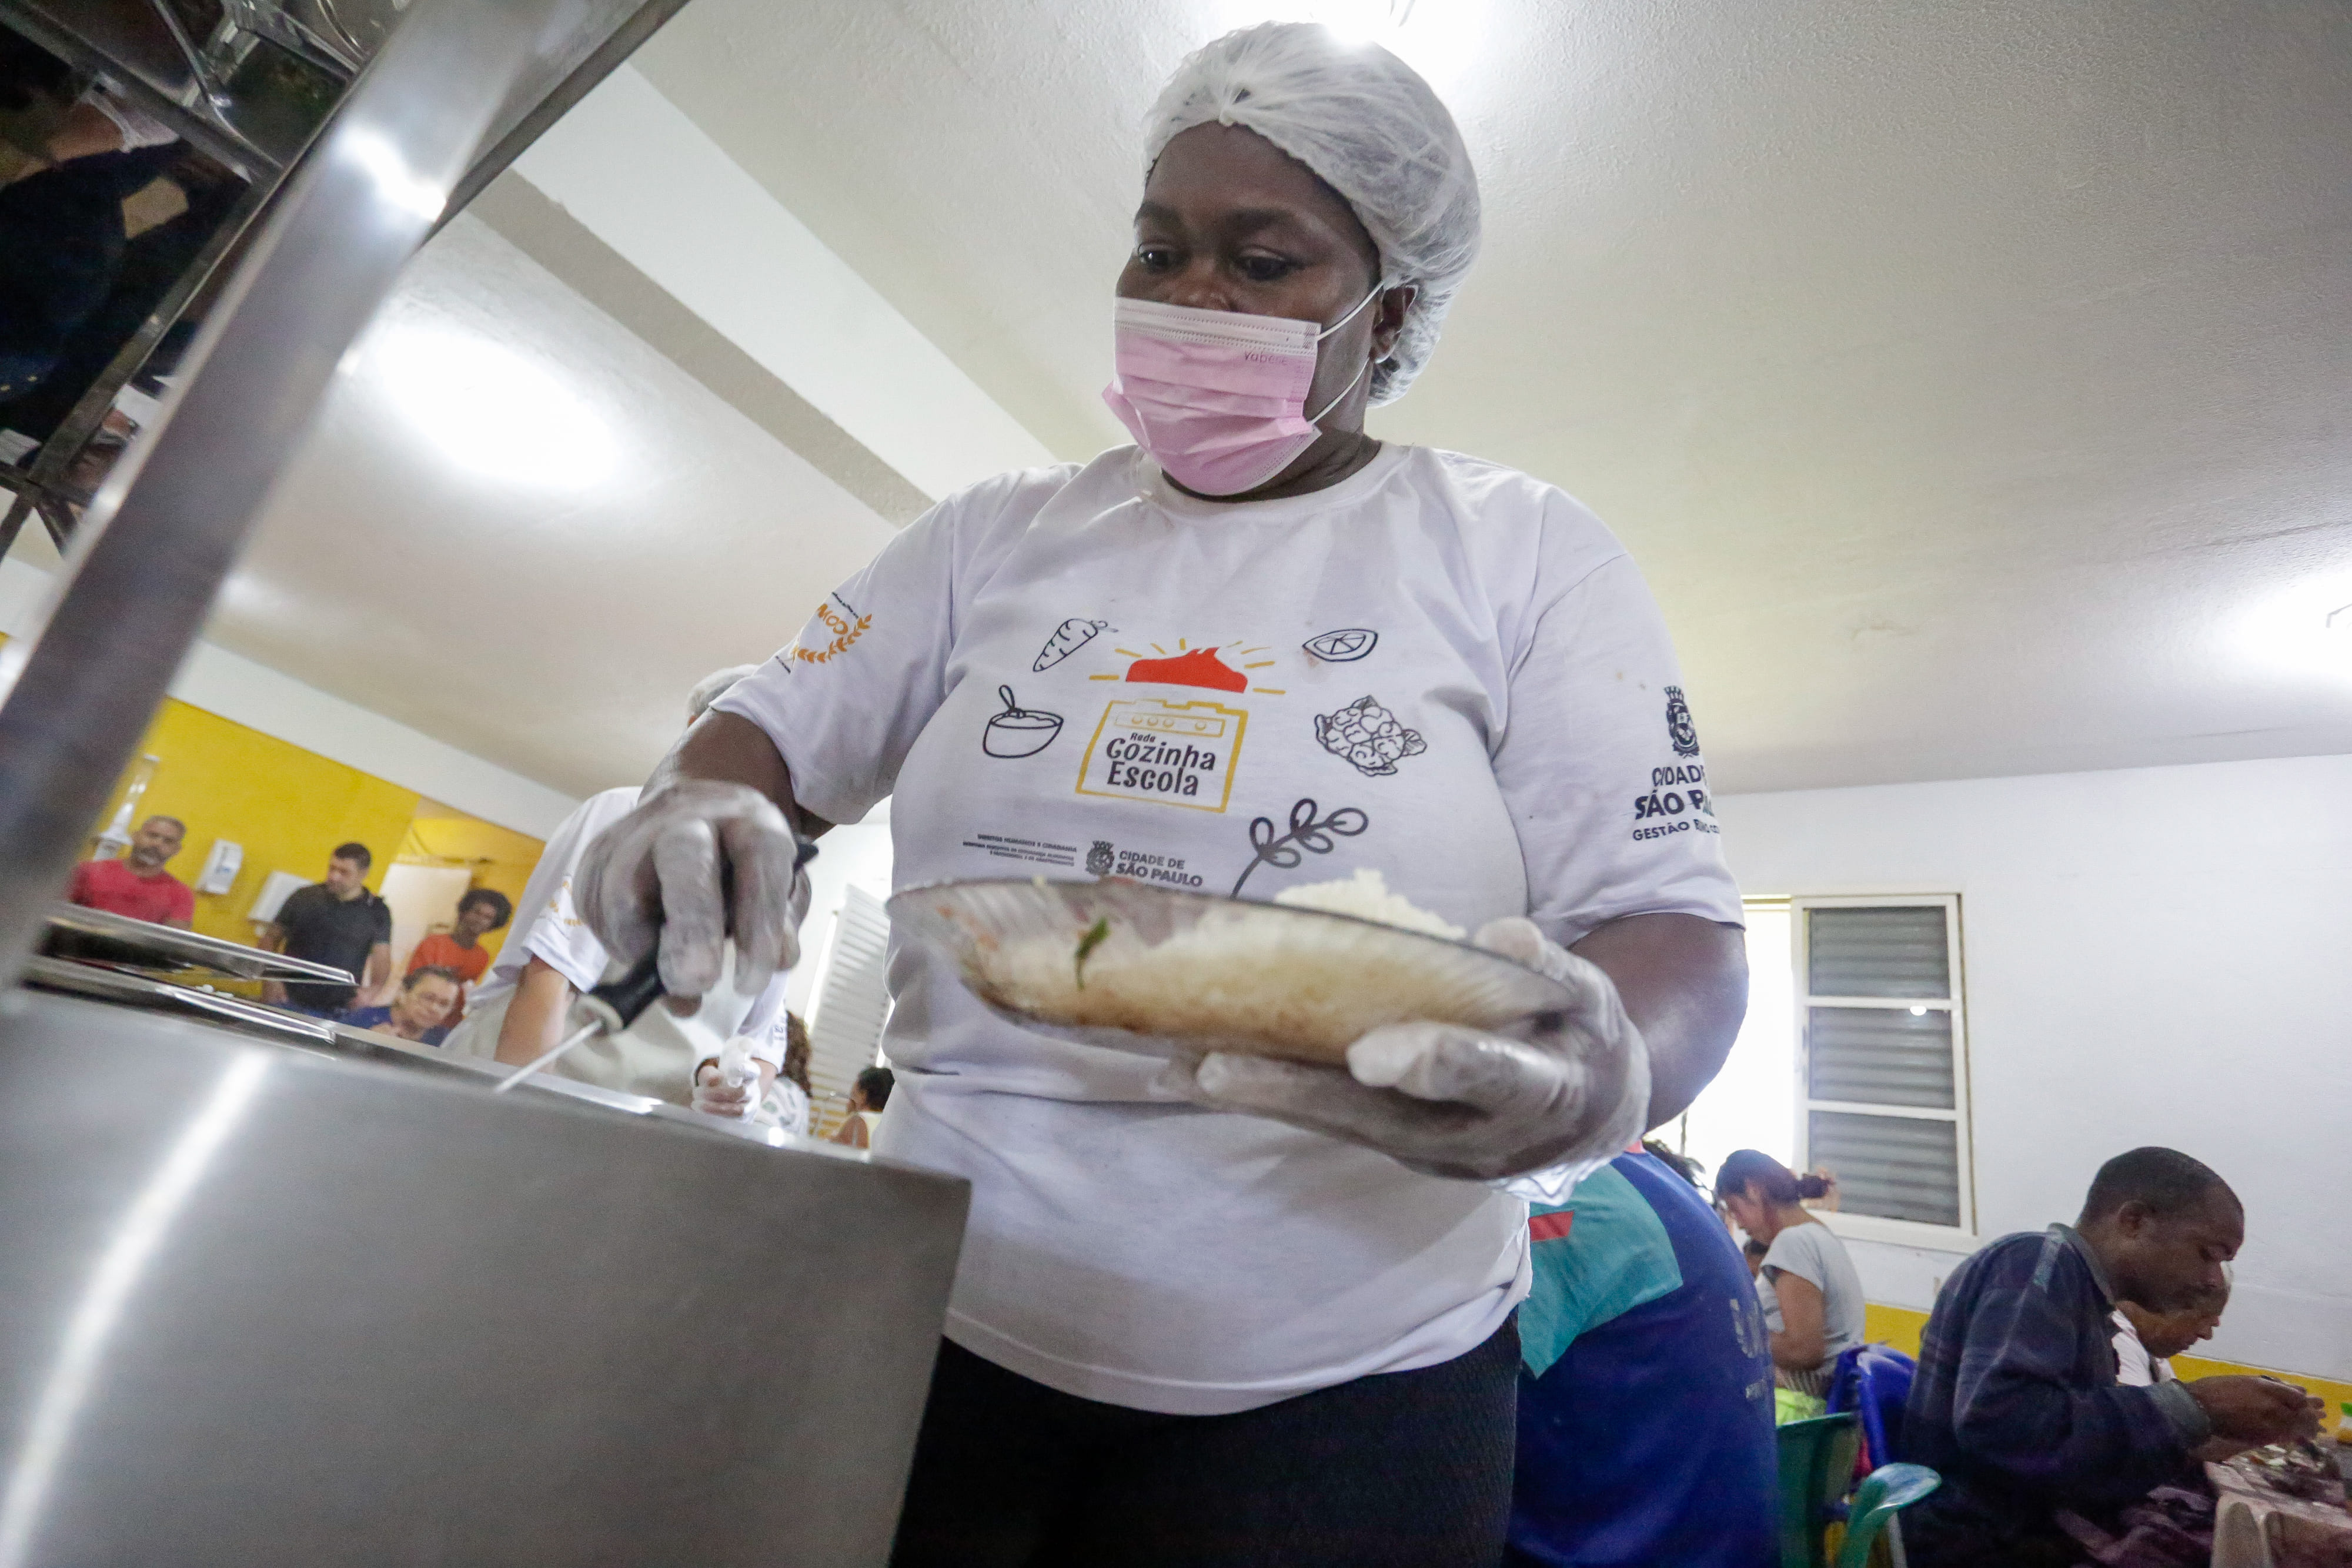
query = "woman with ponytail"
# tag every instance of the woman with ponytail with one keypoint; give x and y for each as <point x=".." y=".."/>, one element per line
<point x="1811" y="1296"/>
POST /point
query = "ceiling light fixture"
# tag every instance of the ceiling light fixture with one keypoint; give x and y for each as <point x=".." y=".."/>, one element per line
<point x="491" y="408"/>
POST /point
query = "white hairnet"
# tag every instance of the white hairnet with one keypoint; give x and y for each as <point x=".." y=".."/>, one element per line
<point x="1366" y="123"/>
<point x="711" y="687"/>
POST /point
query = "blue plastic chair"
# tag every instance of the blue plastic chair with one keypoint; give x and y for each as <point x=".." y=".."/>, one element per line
<point x="1873" y="1381"/>
<point x="1890" y="1489"/>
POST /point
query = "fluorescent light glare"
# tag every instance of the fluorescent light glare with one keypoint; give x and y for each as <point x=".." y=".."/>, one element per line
<point x="1439" y="38"/>
<point x="2304" y="630"/>
<point x="1362" y="21"/>
<point x="395" y="182"/>
<point x="489" y="408"/>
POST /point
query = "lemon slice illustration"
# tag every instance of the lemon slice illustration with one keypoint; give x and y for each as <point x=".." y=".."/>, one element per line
<point x="1344" y="646"/>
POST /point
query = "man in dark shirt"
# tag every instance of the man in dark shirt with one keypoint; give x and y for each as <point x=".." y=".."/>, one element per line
<point x="336" y="922"/>
<point x="2016" y="1402"/>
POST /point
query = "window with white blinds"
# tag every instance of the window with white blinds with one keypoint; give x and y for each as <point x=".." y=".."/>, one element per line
<point x="853" y="1003"/>
<point x="1882" y="1058"/>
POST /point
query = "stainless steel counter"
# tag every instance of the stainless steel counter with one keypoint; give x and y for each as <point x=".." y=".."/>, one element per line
<point x="262" y="1305"/>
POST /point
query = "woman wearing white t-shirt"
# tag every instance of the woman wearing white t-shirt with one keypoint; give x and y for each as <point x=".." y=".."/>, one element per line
<point x="1258" y="649"/>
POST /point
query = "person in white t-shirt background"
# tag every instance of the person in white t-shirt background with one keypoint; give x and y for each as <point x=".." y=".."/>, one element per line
<point x="1234" y="1311"/>
<point x="520" y="1009"/>
<point x="869" y="1098"/>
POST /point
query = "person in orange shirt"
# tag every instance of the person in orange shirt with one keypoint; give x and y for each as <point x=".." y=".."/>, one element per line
<point x="459" y="949"/>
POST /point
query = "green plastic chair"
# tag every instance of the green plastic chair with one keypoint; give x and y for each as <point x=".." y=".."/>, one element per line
<point x="1884" y="1493"/>
<point x="1816" y="1467"/>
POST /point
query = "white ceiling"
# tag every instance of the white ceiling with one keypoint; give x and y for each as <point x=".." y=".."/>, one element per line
<point x="521" y="530"/>
<point x="1971" y="380"/>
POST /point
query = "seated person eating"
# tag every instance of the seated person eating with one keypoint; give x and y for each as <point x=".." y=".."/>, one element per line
<point x="2017" y="1402"/>
<point x="2146" y="1342"/>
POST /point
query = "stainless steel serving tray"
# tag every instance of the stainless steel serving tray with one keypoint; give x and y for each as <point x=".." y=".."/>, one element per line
<point x="99" y="982"/>
<point x="104" y="982"/>
<point x="96" y="936"/>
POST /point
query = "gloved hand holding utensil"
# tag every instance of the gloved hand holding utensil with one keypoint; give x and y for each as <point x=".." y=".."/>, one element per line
<point x="683" y="839"/>
<point x="608" y="1010"/>
<point x="697" y="863"/>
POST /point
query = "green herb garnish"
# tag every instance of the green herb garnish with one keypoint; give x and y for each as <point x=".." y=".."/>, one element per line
<point x="1088" y="944"/>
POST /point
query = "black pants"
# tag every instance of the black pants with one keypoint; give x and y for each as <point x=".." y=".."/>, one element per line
<point x="1407" y="1469"/>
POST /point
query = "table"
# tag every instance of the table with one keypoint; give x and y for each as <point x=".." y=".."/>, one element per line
<point x="2256" y="1525"/>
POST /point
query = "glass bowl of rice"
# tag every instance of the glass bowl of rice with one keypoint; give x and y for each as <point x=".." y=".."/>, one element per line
<point x="1149" y="969"/>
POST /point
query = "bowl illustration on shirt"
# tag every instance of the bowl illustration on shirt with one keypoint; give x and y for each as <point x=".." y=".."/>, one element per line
<point x="1019" y="732"/>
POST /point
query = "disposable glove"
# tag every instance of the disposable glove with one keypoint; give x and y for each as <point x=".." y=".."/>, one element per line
<point x="730" y="1086"/>
<point x="691" y="865"/>
<point x="1566" y="1096"/>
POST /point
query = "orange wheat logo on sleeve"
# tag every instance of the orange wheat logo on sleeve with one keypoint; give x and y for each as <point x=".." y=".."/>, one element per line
<point x="845" y="624"/>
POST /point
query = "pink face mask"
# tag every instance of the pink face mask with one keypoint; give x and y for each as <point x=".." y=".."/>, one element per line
<point x="1217" y="397"/>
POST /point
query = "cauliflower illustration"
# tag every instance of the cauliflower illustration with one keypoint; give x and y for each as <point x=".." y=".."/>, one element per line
<point x="1369" y="736"/>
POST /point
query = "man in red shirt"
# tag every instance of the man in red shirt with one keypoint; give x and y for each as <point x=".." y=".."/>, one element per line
<point x="137" y="884"/>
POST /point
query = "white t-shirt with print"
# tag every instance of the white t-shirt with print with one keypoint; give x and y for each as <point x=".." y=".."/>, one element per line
<point x="1438" y="668"/>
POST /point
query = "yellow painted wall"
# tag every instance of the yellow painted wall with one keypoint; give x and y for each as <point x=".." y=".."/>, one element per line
<point x="1900" y="1327"/>
<point x="498" y="857"/>
<point x="1895" y="1326"/>
<point x="288" y="807"/>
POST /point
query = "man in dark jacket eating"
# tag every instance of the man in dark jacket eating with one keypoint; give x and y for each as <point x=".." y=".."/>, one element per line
<point x="2016" y="1401"/>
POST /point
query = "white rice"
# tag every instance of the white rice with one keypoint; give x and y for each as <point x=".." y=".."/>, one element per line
<point x="1366" y="896"/>
<point x="1249" y="978"/>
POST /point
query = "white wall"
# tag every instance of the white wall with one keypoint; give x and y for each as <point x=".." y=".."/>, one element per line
<point x="2152" y="956"/>
<point x="258" y="697"/>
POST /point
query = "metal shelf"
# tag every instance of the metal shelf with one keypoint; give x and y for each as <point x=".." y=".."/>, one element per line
<point x="168" y="948"/>
<point x="227" y="94"/>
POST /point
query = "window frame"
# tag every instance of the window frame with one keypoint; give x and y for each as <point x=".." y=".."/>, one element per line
<point x="1872" y="1227"/>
